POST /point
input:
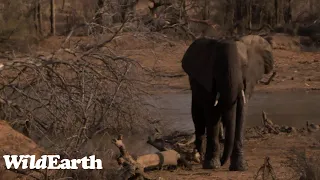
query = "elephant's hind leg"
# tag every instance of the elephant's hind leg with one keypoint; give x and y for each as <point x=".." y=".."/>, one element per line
<point x="238" y="162"/>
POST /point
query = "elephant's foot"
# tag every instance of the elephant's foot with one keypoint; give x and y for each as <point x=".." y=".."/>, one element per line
<point x="211" y="164"/>
<point x="238" y="164"/>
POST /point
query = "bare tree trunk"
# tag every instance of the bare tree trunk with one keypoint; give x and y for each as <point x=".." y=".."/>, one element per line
<point x="264" y="14"/>
<point x="39" y="16"/>
<point x="52" y="18"/>
<point x="63" y="4"/>
<point x="205" y="10"/>
<point x="35" y="19"/>
<point x="229" y="15"/>
<point x="240" y="16"/>
<point x="276" y="9"/>
<point x="249" y="14"/>
<point x="282" y="10"/>
<point x="288" y="12"/>
<point x="99" y="15"/>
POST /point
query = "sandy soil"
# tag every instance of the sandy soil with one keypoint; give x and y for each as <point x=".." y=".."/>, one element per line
<point x="296" y="70"/>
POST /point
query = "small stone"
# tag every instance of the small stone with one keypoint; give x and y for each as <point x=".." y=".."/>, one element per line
<point x="292" y="78"/>
<point x="284" y="128"/>
<point x="313" y="126"/>
<point x="291" y="130"/>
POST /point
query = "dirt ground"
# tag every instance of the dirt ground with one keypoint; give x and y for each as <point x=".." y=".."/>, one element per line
<point x="279" y="148"/>
<point x="296" y="70"/>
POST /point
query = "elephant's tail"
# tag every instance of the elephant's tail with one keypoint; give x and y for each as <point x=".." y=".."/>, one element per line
<point x="228" y="84"/>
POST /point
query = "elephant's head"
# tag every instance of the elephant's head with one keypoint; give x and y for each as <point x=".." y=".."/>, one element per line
<point x="254" y="51"/>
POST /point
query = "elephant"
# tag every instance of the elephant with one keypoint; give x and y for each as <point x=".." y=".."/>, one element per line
<point x="222" y="75"/>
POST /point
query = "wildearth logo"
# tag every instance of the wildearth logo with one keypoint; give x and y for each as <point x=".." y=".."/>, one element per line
<point x="50" y="162"/>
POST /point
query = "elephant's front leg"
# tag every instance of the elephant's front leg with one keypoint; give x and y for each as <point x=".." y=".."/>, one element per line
<point x="212" y="155"/>
<point x="238" y="163"/>
<point x="200" y="127"/>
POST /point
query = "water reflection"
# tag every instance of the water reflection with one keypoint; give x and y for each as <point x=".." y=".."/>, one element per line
<point x="284" y="108"/>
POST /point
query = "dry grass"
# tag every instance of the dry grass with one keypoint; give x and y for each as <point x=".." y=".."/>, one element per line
<point x="306" y="166"/>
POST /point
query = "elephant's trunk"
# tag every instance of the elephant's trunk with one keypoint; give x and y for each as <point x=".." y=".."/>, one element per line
<point x="229" y="84"/>
<point x="228" y="118"/>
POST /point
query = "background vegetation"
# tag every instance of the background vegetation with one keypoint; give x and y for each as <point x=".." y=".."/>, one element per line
<point x="72" y="99"/>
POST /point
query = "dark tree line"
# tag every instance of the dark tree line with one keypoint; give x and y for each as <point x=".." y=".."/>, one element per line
<point x="232" y="16"/>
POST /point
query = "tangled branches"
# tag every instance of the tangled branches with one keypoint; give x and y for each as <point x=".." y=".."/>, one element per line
<point x="266" y="170"/>
<point x="74" y="94"/>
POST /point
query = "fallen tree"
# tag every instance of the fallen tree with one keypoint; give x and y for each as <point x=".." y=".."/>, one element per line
<point x="171" y="154"/>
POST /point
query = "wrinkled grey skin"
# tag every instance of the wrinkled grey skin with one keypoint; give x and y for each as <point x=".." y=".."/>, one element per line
<point x="227" y="68"/>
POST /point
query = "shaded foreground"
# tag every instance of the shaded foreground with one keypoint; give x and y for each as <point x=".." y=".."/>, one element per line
<point x="282" y="149"/>
<point x="285" y="146"/>
<point x="272" y="151"/>
<point x="277" y="147"/>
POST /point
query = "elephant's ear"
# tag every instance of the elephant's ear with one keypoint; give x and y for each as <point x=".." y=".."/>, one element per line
<point x="242" y="53"/>
<point x="268" y="60"/>
<point x="263" y="48"/>
<point x="198" y="63"/>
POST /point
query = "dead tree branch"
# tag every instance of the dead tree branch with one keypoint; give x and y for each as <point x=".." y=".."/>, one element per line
<point x="164" y="158"/>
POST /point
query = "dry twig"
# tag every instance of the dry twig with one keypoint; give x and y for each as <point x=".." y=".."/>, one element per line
<point x="266" y="169"/>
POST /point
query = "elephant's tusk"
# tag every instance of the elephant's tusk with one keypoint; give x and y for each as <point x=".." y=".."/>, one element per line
<point x="217" y="99"/>
<point x="243" y="96"/>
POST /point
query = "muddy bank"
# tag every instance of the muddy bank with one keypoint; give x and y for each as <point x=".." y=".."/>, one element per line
<point x="284" y="108"/>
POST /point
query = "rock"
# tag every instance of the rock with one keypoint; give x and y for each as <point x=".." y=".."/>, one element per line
<point x="284" y="128"/>
<point x="313" y="126"/>
<point x="287" y="129"/>
<point x="291" y="130"/>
